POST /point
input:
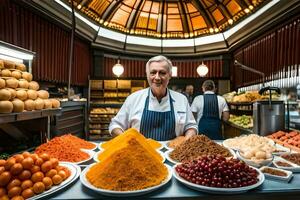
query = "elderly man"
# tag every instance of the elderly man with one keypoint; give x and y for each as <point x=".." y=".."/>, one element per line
<point x="209" y="109"/>
<point x="157" y="112"/>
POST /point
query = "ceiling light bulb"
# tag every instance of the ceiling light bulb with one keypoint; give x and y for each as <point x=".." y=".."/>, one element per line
<point x="79" y="6"/>
<point x="211" y="30"/>
<point x="247" y="10"/>
<point x="230" y="21"/>
<point x="216" y="30"/>
<point x="202" y="70"/>
<point x="251" y="7"/>
<point x="118" y="69"/>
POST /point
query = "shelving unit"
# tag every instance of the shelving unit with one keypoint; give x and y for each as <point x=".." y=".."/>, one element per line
<point x="105" y="98"/>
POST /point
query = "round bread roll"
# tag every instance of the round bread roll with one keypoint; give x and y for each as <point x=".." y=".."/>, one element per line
<point x="55" y="103"/>
<point x="18" y="105"/>
<point x="21" y="66"/>
<point x="13" y="93"/>
<point x="39" y="104"/>
<point x="43" y="94"/>
<point x="1" y="64"/>
<point x="12" y="83"/>
<point x="6" y="107"/>
<point x="9" y="64"/>
<point x="16" y="74"/>
<point x="29" y="104"/>
<point x="27" y="76"/>
<point x="33" y="85"/>
<point x="6" y="73"/>
<point x="4" y="95"/>
<point x="23" y="83"/>
<point x="47" y="103"/>
<point x="32" y="94"/>
<point x="22" y="95"/>
<point x="2" y="83"/>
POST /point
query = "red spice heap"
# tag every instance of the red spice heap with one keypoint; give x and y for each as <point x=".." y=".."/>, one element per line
<point x="63" y="150"/>
<point x="78" y="142"/>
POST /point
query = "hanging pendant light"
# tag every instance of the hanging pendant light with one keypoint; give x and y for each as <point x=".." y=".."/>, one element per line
<point x="118" y="69"/>
<point x="202" y="70"/>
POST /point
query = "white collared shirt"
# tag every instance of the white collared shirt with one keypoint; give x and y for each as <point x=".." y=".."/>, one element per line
<point x="130" y="114"/>
<point x="198" y="104"/>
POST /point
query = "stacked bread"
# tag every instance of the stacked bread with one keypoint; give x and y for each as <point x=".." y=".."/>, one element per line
<point x="18" y="92"/>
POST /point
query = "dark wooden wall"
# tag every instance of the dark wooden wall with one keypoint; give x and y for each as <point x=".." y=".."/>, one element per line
<point x="275" y="51"/>
<point x="22" y="27"/>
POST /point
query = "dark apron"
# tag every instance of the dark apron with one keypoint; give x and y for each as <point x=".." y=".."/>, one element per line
<point x="158" y="125"/>
<point x="210" y="123"/>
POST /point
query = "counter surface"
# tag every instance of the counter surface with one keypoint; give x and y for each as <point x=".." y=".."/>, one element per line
<point x="270" y="189"/>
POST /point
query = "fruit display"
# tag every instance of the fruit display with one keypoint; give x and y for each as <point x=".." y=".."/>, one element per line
<point x="18" y="92"/>
<point x="217" y="171"/>
<point x="26" y="175"/>
<point x="243" y="121"/>
<point x="290" y="140"/>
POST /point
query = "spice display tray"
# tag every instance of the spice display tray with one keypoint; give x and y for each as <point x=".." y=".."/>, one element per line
<point x="286" y="178"/>
<point x="281" y="149"/>
<point x="91" y="154"/>
<point x="295" y="168"/>
<point x="250" y="162"/>
<point x="87" y="184"/>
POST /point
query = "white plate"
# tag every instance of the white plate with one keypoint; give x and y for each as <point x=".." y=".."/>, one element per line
<point x="215" y="190"/>
<point x="91" y="154"/>
<point x="255" y="164"/>
<point x="87" y="184"/>
<point x="294" y="168"/>
<point x="75" y="172"/>
<point x="95" y="157"/>
<point x="167" y="156"/>
<point x="286" y="178"/>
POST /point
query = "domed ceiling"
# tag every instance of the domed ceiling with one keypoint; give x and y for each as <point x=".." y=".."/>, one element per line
<point x="167" y="18"/>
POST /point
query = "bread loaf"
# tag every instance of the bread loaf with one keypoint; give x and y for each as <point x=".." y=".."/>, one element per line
<point x="47" y="104"/>
<point x="13" y="93"/>
<point x="29" y="104"/>
<point x="22" y="94"/>
<point x="12" y="83"/>
<point x="23" y="83"/>
<point x="6" y="107"/>
<point x="16" y="74"/>
<point x="9" y="64"/>
<point x="21" y="66"/>
<point x="4" y="95"/>
<point x="18" y="105"/>
<point x="27" y="76"/>
<point x="1" y="64"/>
<point x="33" y="85"/>
<point x="2" y="83"/>
<point x="39" y="104"/>
<point x="55" y="103"/>
<point x="43" y="94"/>
<point x="32" y="94"/>
<point x="6" y="73"/>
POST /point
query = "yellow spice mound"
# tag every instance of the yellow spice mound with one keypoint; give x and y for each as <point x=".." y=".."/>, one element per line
<point x="129" y="168"/>
<point x="122" y="141"/>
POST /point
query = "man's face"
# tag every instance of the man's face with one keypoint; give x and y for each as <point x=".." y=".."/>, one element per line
<point x="189" y="90"/>
<point x="158" y="76"/>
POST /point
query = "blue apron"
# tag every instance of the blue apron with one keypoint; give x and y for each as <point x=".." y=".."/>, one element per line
<point x="158" y="125"/>
<point x="210" y="123"/>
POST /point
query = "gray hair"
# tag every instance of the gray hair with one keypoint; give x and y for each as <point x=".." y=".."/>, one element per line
<point x="208" y="85"/>
<point x="159" y="58"/>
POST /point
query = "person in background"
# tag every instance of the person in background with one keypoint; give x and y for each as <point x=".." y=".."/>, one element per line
<point x="189" y="93"/>
<point x="209" y="109"/>
<point x="157" y="112"/>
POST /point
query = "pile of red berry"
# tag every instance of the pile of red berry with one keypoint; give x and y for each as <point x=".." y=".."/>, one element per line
<point x="217" y="171"/>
